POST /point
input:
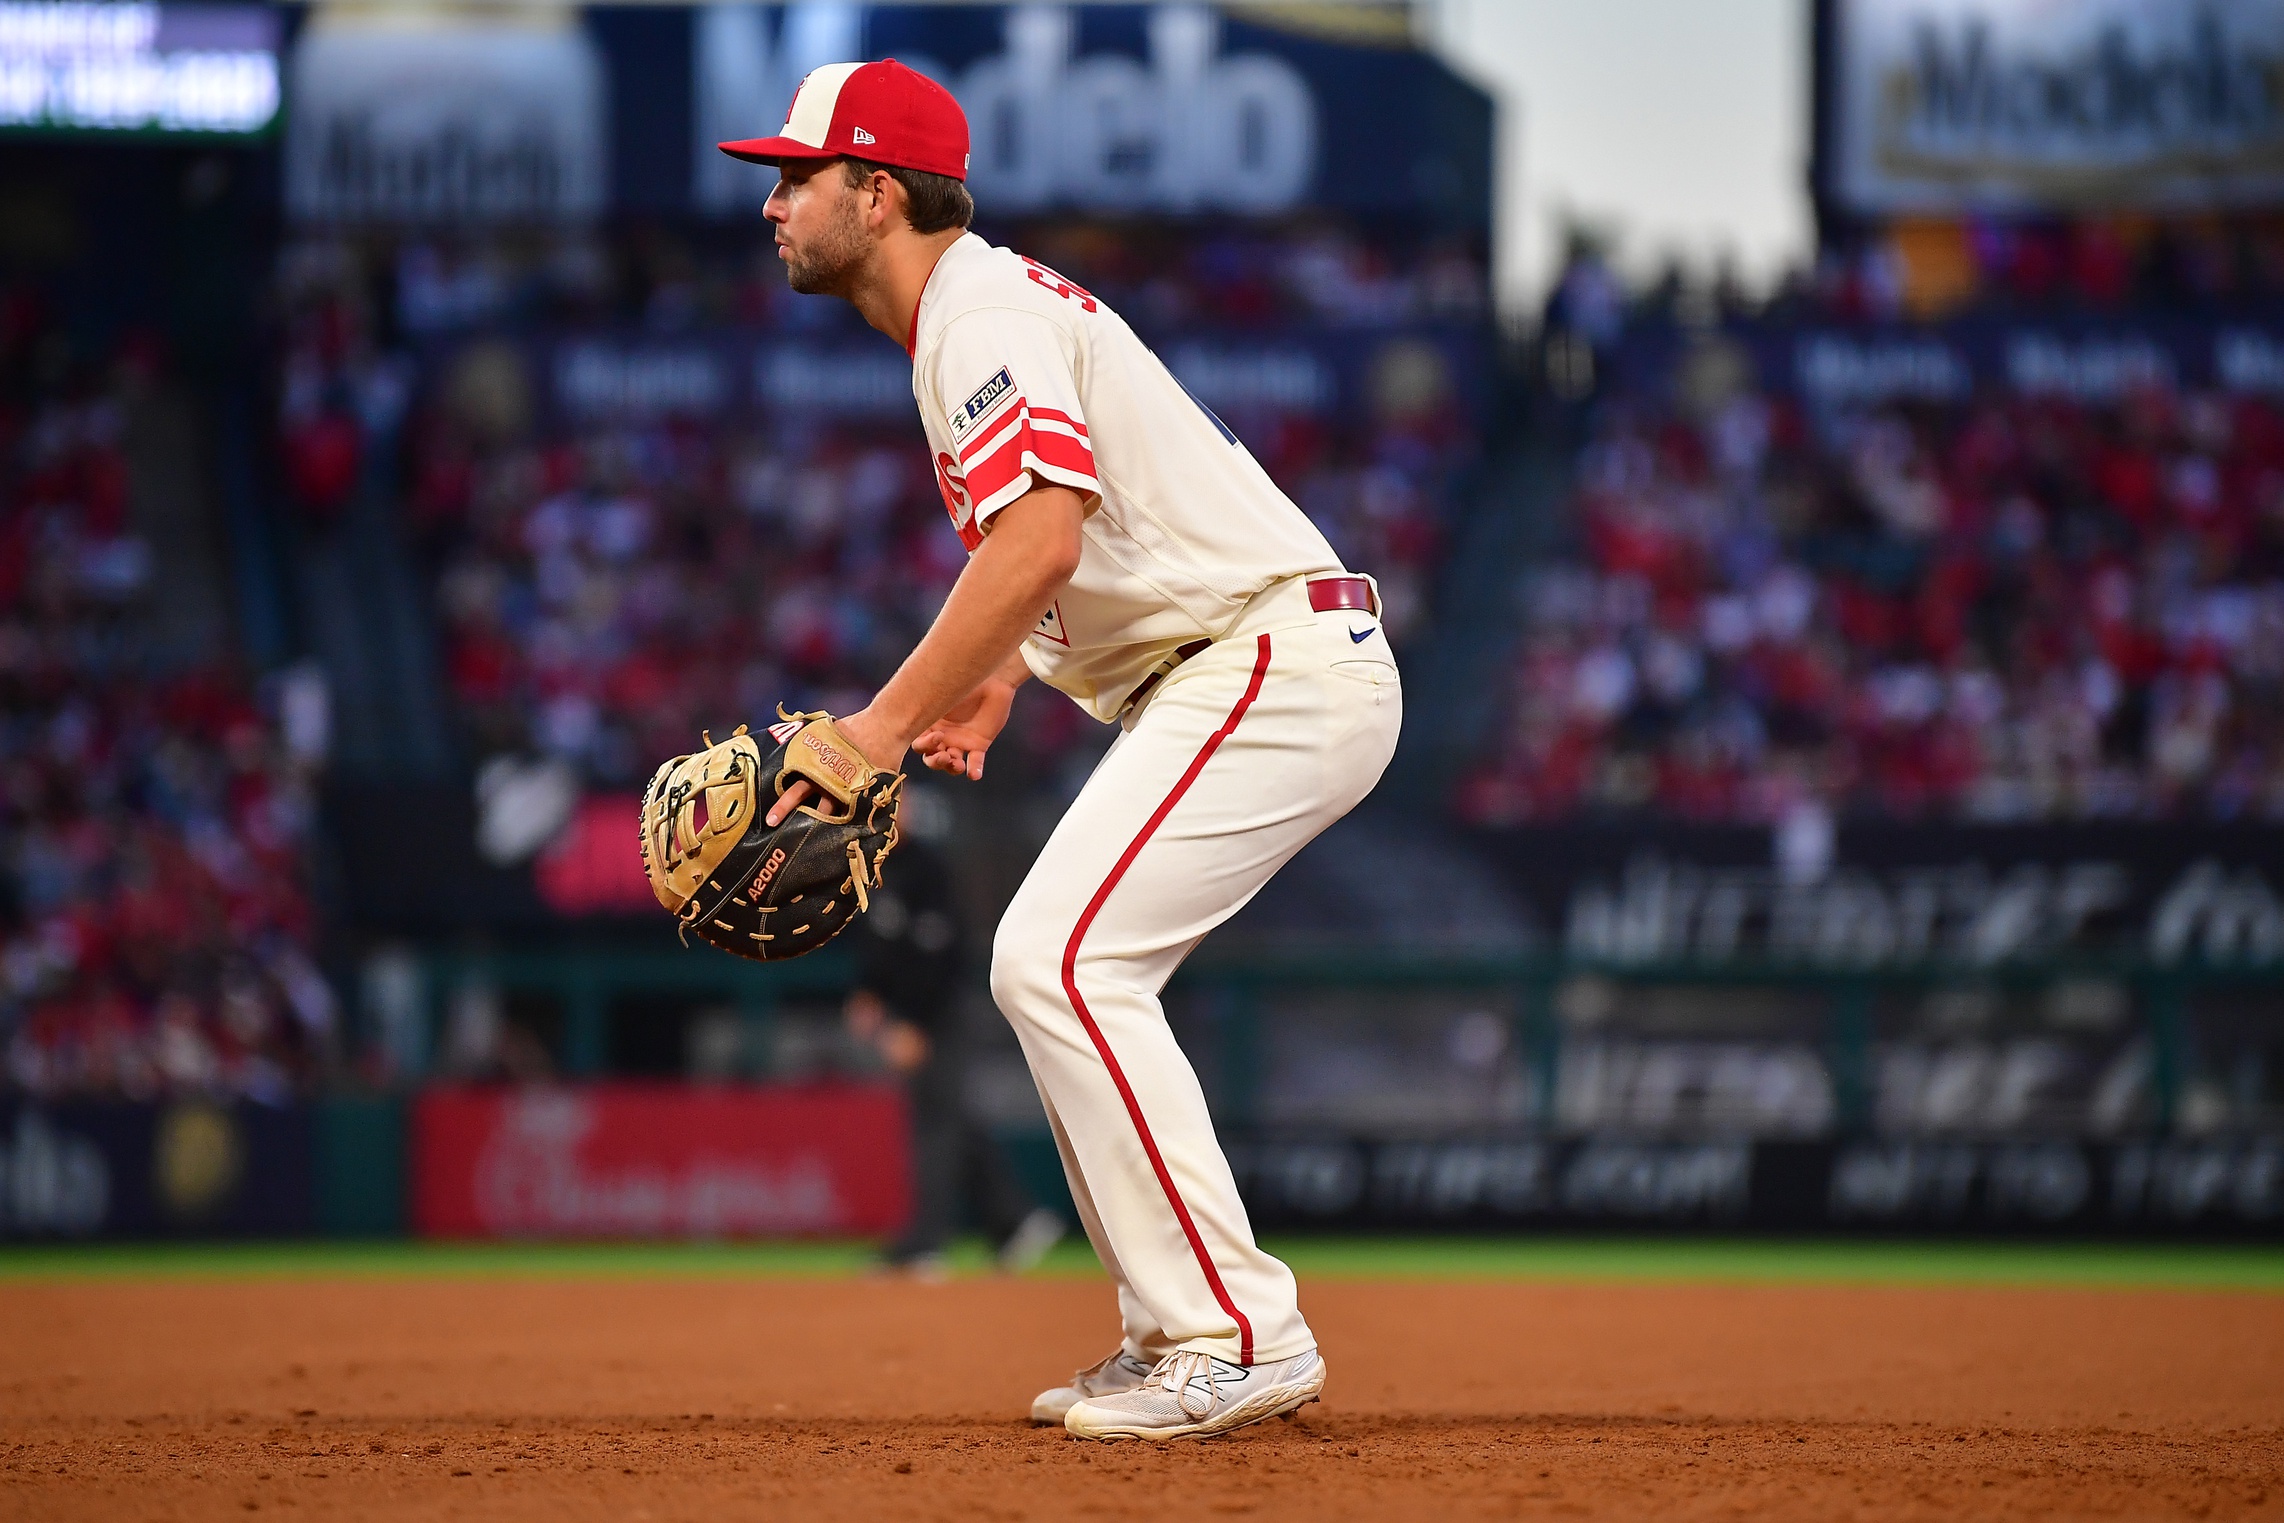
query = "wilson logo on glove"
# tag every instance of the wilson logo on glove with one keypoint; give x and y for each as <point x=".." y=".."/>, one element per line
<point x="760" y="891"/>
<point x="834" y="760"/>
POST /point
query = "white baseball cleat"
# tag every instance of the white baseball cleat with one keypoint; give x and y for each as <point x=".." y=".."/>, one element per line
<point x="1194" y="1395"/>
<point x="1120" y="1372"/>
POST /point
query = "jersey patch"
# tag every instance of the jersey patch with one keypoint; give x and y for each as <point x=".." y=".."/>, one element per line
<point x="1050" y="626"/>
<point x="986" y="400"/>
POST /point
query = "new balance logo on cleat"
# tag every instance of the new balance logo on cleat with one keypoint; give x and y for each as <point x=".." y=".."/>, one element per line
<point x="1194" y="1395"/>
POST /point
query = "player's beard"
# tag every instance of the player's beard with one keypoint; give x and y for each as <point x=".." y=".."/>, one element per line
<point x="827" y="264"/>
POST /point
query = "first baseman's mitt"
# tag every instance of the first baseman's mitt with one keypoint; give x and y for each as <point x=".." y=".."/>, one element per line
<point x="760" y="892"/>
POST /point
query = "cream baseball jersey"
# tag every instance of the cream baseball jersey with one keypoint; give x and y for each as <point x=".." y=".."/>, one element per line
<point x="1019" y="375"/>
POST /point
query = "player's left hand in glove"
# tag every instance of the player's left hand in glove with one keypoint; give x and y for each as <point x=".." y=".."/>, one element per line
<point x="764" y="891"/>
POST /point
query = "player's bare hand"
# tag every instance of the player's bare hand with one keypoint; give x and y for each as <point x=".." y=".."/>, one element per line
<point x="957" y="751"/>
<point x="957" y="743"/>
<point x="883" y="748"/>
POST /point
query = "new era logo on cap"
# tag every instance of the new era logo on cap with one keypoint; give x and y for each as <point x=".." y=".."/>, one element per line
<point x="914" y="122"/>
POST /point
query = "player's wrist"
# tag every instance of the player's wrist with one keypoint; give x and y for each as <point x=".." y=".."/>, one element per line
<point x="882" y="734"/>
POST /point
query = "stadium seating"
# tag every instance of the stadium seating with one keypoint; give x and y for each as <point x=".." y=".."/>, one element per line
<point x="1998" y="607"/>
<point x="158" y="933"/>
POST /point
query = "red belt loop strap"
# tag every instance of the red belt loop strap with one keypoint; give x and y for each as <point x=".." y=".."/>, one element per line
<point x="1094" y="1032"/>
<point x="1327" y="593"/>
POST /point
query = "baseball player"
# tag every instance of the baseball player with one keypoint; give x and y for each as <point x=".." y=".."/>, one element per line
<point x="1125" y="549"/>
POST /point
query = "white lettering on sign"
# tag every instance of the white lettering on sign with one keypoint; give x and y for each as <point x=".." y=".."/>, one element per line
<point x="1659" y="1182"/>
<point x="599" y="380"/>
<point x="461" y="121"/>
<point x="1659" y="909"/>
<point x="1236" y="379"/>
<point x="1189" y="128"/>
<point x="2090" y="369"/>
<point x="798" y="376"/>
<point x="533" y="1179"/>
<point x="1946" y="104"/>
<point x="1839" y="371"/>
<point x="51" y="1180"/>
<point x="142" y="68"/>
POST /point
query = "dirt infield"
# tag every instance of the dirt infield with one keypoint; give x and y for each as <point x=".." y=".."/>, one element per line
<point x="710" y="1399"/>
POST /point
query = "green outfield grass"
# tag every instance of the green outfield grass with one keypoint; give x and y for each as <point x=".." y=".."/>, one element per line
<point x="1547" y="1258"/>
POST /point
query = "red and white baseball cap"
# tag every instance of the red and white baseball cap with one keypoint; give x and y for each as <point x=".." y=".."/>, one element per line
<point x="882" y="111"/>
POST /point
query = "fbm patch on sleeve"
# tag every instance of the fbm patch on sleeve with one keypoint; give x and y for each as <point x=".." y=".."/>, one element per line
<point x="984" y="403"/>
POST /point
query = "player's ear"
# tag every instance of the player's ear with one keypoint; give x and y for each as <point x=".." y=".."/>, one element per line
<point x="888" y="202"/>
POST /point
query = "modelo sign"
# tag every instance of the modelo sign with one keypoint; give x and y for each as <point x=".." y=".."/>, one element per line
<point x="432" y="119"/>
<point x="634" y="1160"/>
<point x="1186" y="127"/>
<point x="1944" y="105"/>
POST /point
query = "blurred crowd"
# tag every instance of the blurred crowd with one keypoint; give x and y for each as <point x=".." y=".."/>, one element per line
<point x="1934" y="268"/>
<point x="1937" y="267"/>
<point x="606" y="586"/>
<point x="155" y="927"/>
<point x="2009" y="609"/>
<point x="603" y="597"/>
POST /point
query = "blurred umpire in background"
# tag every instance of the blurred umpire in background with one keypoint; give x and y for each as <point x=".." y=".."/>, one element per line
<point x="911" y="953"/>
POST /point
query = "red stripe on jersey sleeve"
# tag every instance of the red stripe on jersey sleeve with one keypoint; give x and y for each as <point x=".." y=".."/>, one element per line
<point x="986" y="478"/>
<point x="999" y="480"/>
<point x="1061" y="417"/>
<point x="997" y="429"/>
<point x="1063" y="451"/>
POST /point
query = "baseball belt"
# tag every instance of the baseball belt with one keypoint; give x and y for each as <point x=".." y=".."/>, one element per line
<point x="1326" y="595"/>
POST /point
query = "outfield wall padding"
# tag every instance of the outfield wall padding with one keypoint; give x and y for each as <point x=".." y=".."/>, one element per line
<point x="2228" y="1187"/>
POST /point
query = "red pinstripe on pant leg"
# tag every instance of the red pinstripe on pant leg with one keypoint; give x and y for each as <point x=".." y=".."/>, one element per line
<point x="1094" y="1032"/>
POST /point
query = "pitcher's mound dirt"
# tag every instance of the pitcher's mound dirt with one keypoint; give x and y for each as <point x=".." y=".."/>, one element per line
<point x="709" y="1400"/>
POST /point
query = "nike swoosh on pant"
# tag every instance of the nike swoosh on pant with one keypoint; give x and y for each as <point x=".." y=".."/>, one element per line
<point x="1359" y="636"/>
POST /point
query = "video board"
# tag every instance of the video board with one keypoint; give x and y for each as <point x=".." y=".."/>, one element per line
<point x="153" y="70"/>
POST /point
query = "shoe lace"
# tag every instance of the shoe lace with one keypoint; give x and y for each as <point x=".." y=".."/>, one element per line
<point x="1174" y="1374"/>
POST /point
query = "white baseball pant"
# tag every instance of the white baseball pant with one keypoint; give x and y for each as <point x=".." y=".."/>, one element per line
<point x="1238" y="759"/>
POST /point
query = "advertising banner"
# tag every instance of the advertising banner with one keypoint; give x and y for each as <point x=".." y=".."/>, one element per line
<point x="1160" y="109"/>
<point x="446" y="121"/>
<point x="1943" y="106"/>
<point x="122" y="1169"/>
<point x="631" y="377"/>
<point x="1178" y="123"/>
<point x="2093" y="361"/>
<point x="1904" y="893"/>
<point x="2228" y="1187"/>
<point x="634" y="1160"/>
<point x="1176" y="108"/>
